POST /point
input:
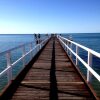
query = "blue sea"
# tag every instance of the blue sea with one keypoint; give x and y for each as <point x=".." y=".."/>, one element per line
<point x="8" y="41"/>
<point x="90" y="40"/>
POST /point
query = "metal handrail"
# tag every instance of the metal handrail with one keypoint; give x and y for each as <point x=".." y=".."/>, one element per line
<point x="88" y="65"/>
<point x="10" y="65"/>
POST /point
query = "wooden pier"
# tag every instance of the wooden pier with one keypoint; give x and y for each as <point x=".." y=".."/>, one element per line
<point x="51" y="75"/>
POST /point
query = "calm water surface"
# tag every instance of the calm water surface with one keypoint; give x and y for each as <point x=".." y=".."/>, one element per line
<point x="90" y="40"/>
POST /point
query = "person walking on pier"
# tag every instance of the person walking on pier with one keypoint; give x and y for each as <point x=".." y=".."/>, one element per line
<point x="37" y="38"/>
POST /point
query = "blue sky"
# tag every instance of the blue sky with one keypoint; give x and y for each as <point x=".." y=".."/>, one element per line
<point x="46" y="16"/>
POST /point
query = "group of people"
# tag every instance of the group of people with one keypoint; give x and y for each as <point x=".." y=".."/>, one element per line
<point x="37" y="38"/>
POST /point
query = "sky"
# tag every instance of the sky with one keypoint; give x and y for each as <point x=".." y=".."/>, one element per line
<point x="49" y="16"/>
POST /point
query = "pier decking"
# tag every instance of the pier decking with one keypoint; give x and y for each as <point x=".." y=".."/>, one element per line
<point x="52" y="76"/>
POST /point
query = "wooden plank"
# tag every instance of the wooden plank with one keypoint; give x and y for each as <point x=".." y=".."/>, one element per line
<point x="33" y="82"/>
<point x="69" y="83"/>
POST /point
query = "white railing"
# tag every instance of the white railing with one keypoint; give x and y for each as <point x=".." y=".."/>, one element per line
<point x="8" y="69"/>
<point x="67" y="45"/>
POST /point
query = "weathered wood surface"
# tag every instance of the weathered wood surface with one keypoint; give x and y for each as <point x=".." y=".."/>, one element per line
<point x="38" y="83"/>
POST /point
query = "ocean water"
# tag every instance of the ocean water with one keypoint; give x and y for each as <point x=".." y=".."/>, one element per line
<point x="8" y="41"/>
<point x="90" y="40"/>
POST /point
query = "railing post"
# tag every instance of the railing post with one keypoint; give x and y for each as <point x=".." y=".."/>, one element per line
<point x="77" y="51"/>
<point x="30" y="50"/>
<point x="9" y="72"/>
<point x="37" y="48"/>
<point x="90" y="64"/>
<point x="23" y="51"/>
<point x="40" y="46"/>
<point x="67" y="45"/>
<point x="71" y="49"/>
<point x="64" y="46"/>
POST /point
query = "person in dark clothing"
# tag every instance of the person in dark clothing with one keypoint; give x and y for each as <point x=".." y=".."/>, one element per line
<point x="35" y="35"/>
<point x="37" y="38"/>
